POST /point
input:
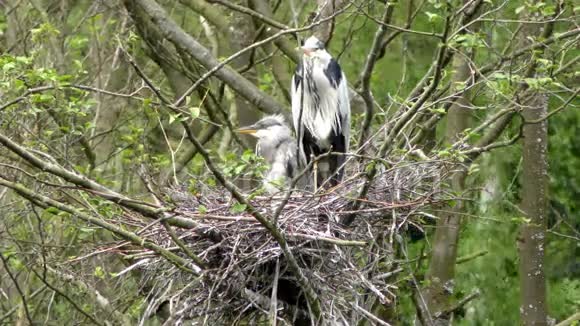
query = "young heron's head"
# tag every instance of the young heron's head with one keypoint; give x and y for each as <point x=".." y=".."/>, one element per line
<point x="268" y="128"/>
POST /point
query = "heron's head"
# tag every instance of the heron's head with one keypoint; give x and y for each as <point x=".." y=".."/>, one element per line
<point x="270" y="127"/>
<point x="313" y="48"/>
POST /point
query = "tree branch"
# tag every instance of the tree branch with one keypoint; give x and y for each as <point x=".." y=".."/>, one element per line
<point x="372" y="57"/>
<point x="570" y="320"/>
<point x="250" y="12"/>
<point x="144" y="208"/>
<point x="17" y="286"/>
<point x="180" y="38"/>
<point x="67" y="298"/>
<point x="15" y="307"/>
<point x="460" y="304"/>
<point x="209" y="12"/>
<point x="46" y="202"/>
<point x="387" y="144"/>
<point x="560" y="108"/>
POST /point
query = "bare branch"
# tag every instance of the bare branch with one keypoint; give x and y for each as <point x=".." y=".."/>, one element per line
<point x="16" y="307"/>
<point x="181" y="39"/>
<point x="71" y="301"/>
<point x="387" y="144"/>
<point x="460" y="304"/>
<point x="556" y="111"/>
<point x="144" y="208"/>
<point x="17" y="286"/>
<point x="45" y="202"/>
<point x="570" y="320"/>
<point x="248" y="11"/>
<point x="372" y="57"/>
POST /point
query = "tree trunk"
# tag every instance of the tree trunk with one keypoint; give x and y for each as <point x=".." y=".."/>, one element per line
<point x="534" y="182"/>
<point x="107" y="117"/>
<point x="324" y="10"/>
<point x="241" y="36"/>
<point x="441" y="270"/>
<point x="13" y="32"/>
<point x="531" y="240"/>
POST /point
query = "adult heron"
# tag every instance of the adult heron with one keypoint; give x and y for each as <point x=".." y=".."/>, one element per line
<point x="278" y="148"/>
<point x="321" y="110"/>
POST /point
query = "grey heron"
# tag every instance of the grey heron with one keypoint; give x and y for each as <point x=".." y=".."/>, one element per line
<point x="321" y="110"/>
<point x="278" y="148"/>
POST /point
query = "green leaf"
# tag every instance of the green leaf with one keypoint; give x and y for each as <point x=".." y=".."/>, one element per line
<point x="52" y="210"/>
<point x="194" y="111"/>
<point x="238" y="208"/>
<point x="99" y="272"/>
<point x="239" y="168"/>
<point x="85" y="233"/>
<point x="473" y="168"/>
<point x="173" y="117"/>
<point x="498" y="75"/>
<point x="202" y="209"/>
<point x="8" y="66"/>
<point x="43" y="32"/>
<point x="438" y="110"/>
<point x="211" y="182"/>
<point x="24" y="60"/>
<point x="521" y="220"/>
<point x="369" y="167"/>
<point x="432" y="17"/>
<point x="248" y="155"/>
<point x="443" y="153"/>
<point x="87" y="230"/>
<point x="459" y="85"/>
<point x="549" y="10"/>
<point x="16" y="263"/>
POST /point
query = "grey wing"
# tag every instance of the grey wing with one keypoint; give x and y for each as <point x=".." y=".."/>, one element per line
<point x="296" y="93"/>
<point x="291" y="160"/>
<point x="284" y="163"/>
<point x="344" y="110"/>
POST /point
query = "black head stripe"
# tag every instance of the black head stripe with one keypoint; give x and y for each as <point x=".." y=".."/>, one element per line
<point x="267" y="123"/>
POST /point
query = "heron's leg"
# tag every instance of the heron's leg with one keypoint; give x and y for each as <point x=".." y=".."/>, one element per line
<point x="323" y="172"/>
<point x="315" y="172"/>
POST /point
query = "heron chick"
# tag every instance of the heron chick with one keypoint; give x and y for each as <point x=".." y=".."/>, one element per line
<point x="321" y="110"/>
<point x="278" y="148"/>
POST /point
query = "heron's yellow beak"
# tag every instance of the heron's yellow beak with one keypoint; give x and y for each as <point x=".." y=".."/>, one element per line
<point x="307" y="52"/>
<point x="246" y="131"/>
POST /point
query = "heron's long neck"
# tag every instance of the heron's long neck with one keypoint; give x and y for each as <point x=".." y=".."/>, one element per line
<point x="311" y="89"/>
<point x="320" y="103"/>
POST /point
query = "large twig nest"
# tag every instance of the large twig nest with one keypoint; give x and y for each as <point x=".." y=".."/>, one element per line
<point x="343" y="263"/>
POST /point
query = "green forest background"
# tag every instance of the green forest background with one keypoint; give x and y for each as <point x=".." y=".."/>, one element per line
<point x="93" y="43"/>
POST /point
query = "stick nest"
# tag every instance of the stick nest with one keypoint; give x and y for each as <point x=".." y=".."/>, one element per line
<point x="349" y="267"/>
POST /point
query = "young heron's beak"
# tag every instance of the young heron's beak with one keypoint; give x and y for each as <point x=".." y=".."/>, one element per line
<point x="248" y="130"/>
